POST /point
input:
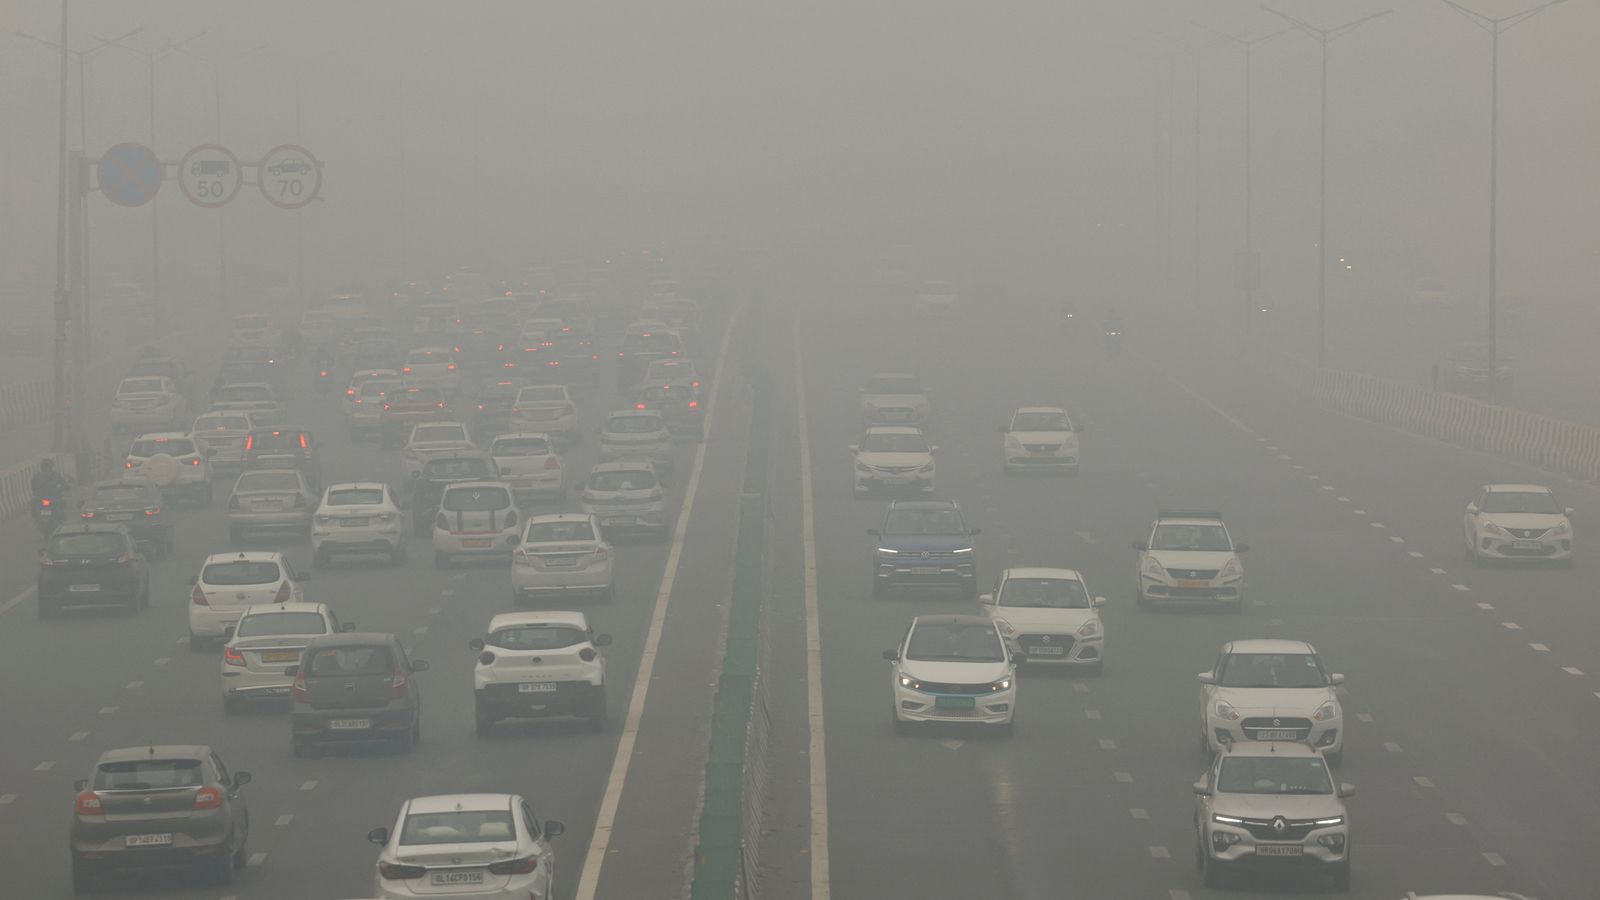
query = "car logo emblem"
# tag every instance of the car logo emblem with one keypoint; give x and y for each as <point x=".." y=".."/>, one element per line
<point x="349" y="686"/>
<point x="926" y="555"/>
<point x="1276" y="722"/>
<point x="1047" y="639"/>
<point x="1279" y="825"/>
<point x="455" y="860"/>
<point x="239" y="596"/>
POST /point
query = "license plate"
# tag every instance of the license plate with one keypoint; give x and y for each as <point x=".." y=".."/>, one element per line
<point x="447" y="878"/>
<point x="1277" y="735"/>
<point x="619" y="520"/>
<point x="522" y="482"/>
<point x="350" y="724"/>
<point x="955" y="702"/>
<point x="559" y="563"/>
<point x="279" y="656"/>
<point x="148" y="840"/>
<point x="924" y="570"/>
<point x="1526" y="545"/>
<point x="475" y="542"/>
<point x="536" y="687"/>
<point x="1278" y="850"/>
<point x="1189" y="583"/>
<point x="120" y="517"/>
<point x="84" y="588"/>
<point x="276" y="463"/>
<point x="352" y="523"/>
<point x="1051" y="650"/>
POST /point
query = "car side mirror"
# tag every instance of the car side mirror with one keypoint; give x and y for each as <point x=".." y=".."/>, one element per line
<point x="1569" y="512"/>
<point x="1141" y="546"/>
<point x="553" y="828"/>
<point x="854" y="448"/>
<point x="240" y="779"/>
<point x="874" y="532"/>
<point x="986" y="599"/>
<point x="892" y="655"/>
<point x="291" y="671"/>
<point x="1347" y="789"/>
<point x="475" y="644"/>
<point x="1240" y="548"/>
<point x="81" y="784"/>
<point x="378" y="836"/>
<point x="1099" y="601"/>
<point x="1202" y="789"/>
<point x="419" y="665"/>
<point x="347" y="627"/>
<point x="974" y="532"/>
<point x="1472" y="509"/>
<point x="1206" y="678"/>
<point x="932" y="449"/>
<point x="602" y="640"/>
<point x="1336" y="678"/>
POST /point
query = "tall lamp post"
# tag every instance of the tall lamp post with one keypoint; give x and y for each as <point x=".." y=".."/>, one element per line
<point x="1323" y="36"/>
<point x="1495" y="27"/>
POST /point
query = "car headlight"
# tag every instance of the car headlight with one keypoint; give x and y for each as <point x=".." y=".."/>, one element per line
<point x="1564" y="528"/>
<point x="1012" y="443"/>
<point x="1326" y="711"/>
<point x="1003" y="684"/>
<point x="906" y="681"/>
<point x="1006" y="628"/>
<point x="962" y="550"/>
<point x="887" y="552"/>
<point x="1493" y="528"/>
<point x="1224" y="711"/>
<point x="1232" y="569"/>
<point x="1227" y="820"/>
<point x="927" y="468"/>
<point x="1330" y="820"/>
<point x="1153" y="568"/>
<point x="1089" y="628"/>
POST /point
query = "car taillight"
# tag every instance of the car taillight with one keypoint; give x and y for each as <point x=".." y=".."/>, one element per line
<point x="440" y="404"/>
<point x="126" y="557"/>
<point x="323" y="373"/>
<point x="638" y="406"/>
<point x="694" y="384"/>
<point x="694" y="404"/>
<point x="515" y="866"/>
<point x="386" y="407"/>
<point x="397" y="684"/>
<point x="232" y="656"/>
<point x="153" y="511"/>
<point x="195" y="461"/>
<point x="485" y="658"/>
<point x="587" y="654"/>
<point x="397" y="872"/>
<point x="304" y="445"/>
<point x="208" y="798"/>
<point x="249" y="441"/>
<point x="551" y="463"/>
<point x="450" y="368"/>
<point x="301" y="693"/>
<point x="480" y="407"/>
<point x="406" y="370"/>
<point x="441" y="523"/>
<point x="350" y="392"/>
<point x="88" y="804"/>
<point x="126" y="465"/>
<point x="198" y="597"/>
<point x="283" y="593"/>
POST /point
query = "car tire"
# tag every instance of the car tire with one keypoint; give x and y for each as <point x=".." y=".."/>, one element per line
<point x="597" y="714"/>
<point x="169" y="547"/>
<point x="901" y="726"/>
<point x="220" y="870"/>
<point x="305" y="748"/>
<point x="1340" y="882"/>
<point x="1334" y="758"/>
<point x="83" y="878"/>
<point x="483" y="720"/>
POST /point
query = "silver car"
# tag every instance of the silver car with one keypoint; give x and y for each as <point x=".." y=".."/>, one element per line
<point x="562" y="553"/>
<point x="146" y="402"/>
<point x="258" y="398"/>
<point x="466" y="846"/>
<point x="220" y="435"/>
<point x="638" y="434"/>
<point x="626" y="496"/>
<point x="270" y="501"/>
<point x="360" y="517"/>
<point x="267" y="640"/>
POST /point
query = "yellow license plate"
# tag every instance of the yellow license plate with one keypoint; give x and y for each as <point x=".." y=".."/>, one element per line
<point x="280" y="656"/>
<point x="474" y="542"/>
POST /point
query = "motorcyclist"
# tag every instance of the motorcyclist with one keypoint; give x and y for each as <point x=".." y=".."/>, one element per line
<point x="1112" y="323"/>
<point x="47" y="482"/>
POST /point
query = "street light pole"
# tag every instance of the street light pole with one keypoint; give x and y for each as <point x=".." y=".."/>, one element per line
<point x="1495" y="27"/>
<point x="1323" y="36"/>
<point x="62" y="312"/>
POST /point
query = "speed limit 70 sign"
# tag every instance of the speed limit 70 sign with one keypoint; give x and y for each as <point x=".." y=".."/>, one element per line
<point x="210" y="175"/>
<point x="290" y="176"/>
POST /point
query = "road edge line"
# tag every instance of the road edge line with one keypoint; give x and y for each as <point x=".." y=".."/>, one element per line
<point x="821" y="888"/>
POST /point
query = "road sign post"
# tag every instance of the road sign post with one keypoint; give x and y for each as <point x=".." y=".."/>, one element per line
<point x="290" y="177"/>
<point x="210" y="175"/>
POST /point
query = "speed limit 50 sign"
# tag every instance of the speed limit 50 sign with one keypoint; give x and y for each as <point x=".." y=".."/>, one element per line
<point x="290" y="176"/>
<point x="210" y="175"/>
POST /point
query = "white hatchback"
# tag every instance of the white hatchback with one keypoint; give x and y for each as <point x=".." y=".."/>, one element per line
<point x="562" y="553"/>
<point x="476" y="518"/>
<point x="1518" y="521"/>
<point x="220" y="436"/>
<point x="1271" y="690"/>
<point x="359" y="517"/>
<point x="953" y="669"/>
<point x="230" y="583"/>
<point x="533" y="665"/>
<point x="1050" y="616"/>
<point x="1040" y="439"/>
<point x="530" y="463"/>
<point x="267" y="640"/>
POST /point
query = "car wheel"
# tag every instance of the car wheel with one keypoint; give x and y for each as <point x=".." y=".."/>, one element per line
<point x="220" y="870"/>
<point x="597" y="715"/>
<point x="441" y="559"/>
<point x="83" y="880"/>
<point x="484" y="720"/>
<point x="1334" y="758"/>
<point x="397" y="555"/>
<point x="170" y="546"/>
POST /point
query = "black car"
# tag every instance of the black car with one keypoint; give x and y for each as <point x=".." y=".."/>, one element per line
<point x="136" y="506"/>
<point x="247" y="364"/>
<point x="92" y="565"/>
<point x="491" y="409"/>
<point x="354" y="687"/>
<point x="285" y="448"/>
<point x="157" y="807"/>
<point x="439" y="472"/>
<point x="924" y="543"/>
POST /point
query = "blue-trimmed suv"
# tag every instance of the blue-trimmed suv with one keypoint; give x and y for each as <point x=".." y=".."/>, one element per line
<point x="924" y="543"/>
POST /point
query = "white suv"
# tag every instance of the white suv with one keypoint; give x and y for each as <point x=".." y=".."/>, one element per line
<point x="1518" y="521"/>
<point x="1190" y="556"/>
<point x="1271" y="690"/>
<point x="359" y="517"/>
<point x="538" y="664"/>
<point x="1041" y="439"/>
<point x="173" y="462"/>
<point x="230" y="583"/>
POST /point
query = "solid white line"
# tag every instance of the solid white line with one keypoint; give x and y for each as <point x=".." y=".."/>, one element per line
<point x="18" y="599"/>
<point x="599" y="844"/>
<point x="1413" y="554"/>
<point x="1540" y="648"/>
<point x="1572" y="670"/>
<point x="1455" y="818"/>
<point x="821" y="884"/>
<point x="1494" y="859"/>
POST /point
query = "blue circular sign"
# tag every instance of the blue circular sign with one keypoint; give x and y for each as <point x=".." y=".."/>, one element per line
<point x="130" y="174"/>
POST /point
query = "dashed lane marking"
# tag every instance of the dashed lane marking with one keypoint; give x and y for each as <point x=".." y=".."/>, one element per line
<point x="1482" y="605"/>
<point x="1413" y="554"/>
<point x="433" y="610"/>
<point x="1391" y="746"/>
<point x="1138" y="813"/>
<point x="1378" y="525"/>
<point x="1459" y="587"/>
<point x="78" y="735"/>
<point x="7" y="799"/>
<point x="1511" y="626"/>
<point x="45" y="766"/>
<point x="1359" y="512"/>
<point x="1455" y="818"/>
<point x="1364" y="717"/>
<point x="1124" y="777"/>
<point x="19" y="599"/>
<point x="108" y="710"/>
<point x="1091" y="714"/>
<point x="284" y="819"/>
<point x="1572" y="670"/>
<point x="256" y="859"/>
<point x="308" y="786"/>
<point x="1422" y="781"/>
<point x="1342" y="499"/>
<point x="1080" y="687"/>
<point x="1086" y="537"/>
<point x="160" y="661"/>
<point x="1493" y="858"/>
<point x="420" y="630"/>
<point x="1436" y="570"/>
<point x="1539" y="648"/>
<point x="1395" y="538"/>
<point x="135" y="685"/>
<point x="1107" y="744"/>
<point x="1328" y="487"/>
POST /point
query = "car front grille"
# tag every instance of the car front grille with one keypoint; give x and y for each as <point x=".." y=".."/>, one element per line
<point x="1252" y="727"/>
<point x="1193" y="574"/>
<point x="1294" y="830"/>
<point x="1527" y="533"/>
<point x="939" y="687"/>
<point x="894" y="470"/>
<point x="1041" y="448"/>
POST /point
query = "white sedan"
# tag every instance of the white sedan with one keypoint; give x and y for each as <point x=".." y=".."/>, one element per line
<point x="1050" y="615"/>
<point x="466" y="846"/>
<point x="230" y="583"/>
<point x="267" y="640"/>
<point x="1040" y="439"/>
<point x="429" y="439"/>
<point x="893" y="458"/>
<point x="359" y="517"/>
<point x="1518" y="521"/>
<point x="562" y="553"/>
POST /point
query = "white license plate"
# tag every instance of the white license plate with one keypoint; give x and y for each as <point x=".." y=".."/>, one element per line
<point x="448" y="878"/>
<point x="1277" y="735"/>
<point x="619" y="520"/>
<point x="84" y="588"/>
<point x="536" y="687"/>
<point x="119" y="517"/>
<point x="475" y="543"/>
<point x="924" y="570"/>
<point x="350" y="724"/>
<point x="560" y="563"/>
<point x="1279" y="850"/>
<point x="148" y="840"/>
<point x="1526" y="545"/>
<point x="352" y="523"/>
<point x="1045" y="650"/>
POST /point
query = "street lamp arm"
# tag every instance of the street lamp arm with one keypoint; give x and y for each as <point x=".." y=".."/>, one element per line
<point x="1513" y="21"/>
<point x="1351" y="26"/>
<point x="1310" y="29"/>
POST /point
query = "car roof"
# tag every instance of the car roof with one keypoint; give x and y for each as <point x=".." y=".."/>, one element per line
<point x="155" y="751"/>
<point x="1040" y="409"/>
<point x="893" y="429"/>
<point x="355" y="485"/>
<point x="1271" y="748"/>
<point x="266" y="608"/>
<point x="476" y="486"/>
<point x="451" y="802"/>
<point x="541" y="617"/>
<point x="1041" y="572"/>
<point x="559" y="517"/>
<point x="626" y="464"/>
<point x="351" y="639"/>
<point x="245" y="556"/>
<point x="951" y="619"/>
<point x="1518" y="488"/>
<point x="1268" y="645"/>
<point x="924" y="504"/>
<point x="1189" y="516"/>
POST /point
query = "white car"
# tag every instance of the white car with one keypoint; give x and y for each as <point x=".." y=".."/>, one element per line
<point x="937" y="297"/>
<point x="1050" y="616"/>
<point x="530" y="463"/>
<point x="545" y="409"/>
<point x="1041" y="439"/>
<point x="220" y="436"/>
<point x="660" y="371"/>
<point x="466" y="847"/>
<point x="476" y="518"/>
<point x="171" y="461"/>
<point x="433" y="367"/>
<point x="1518" y="521"/>
<point x="561" y="554"/>
<point x="230" y="583"/>
<point x="893" y="458"/>
<point x="361" y="377"/>
<point x="1271" y="690"/>
<point x="359" y="517"/>
<point x="953" y="669"/>
<point x="267" y="640"/>
<point x="148" y="401"/>
<point x="638" y="434"/>
<point x="894" y="398"/>
<point x="258" y="398"/>
<point x="364" y="411"/>
<point x="430" y="439"/>
<point x="253" y="330"/>
<point x="1190" y="556"/>
<point x="533" y="665"/>
<point x="626" y="496"/>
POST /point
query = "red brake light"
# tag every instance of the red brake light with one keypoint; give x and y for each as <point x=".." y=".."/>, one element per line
<point x="323" y="373"/>
<point x="406" y="370"/>
<point x="86" y="515"/>
<point x="450" y="368"/>
<point x="638" y="406"/>
<point x="303" y="444"/>
<point x="386" y="406"/>
<point x="129" y="465"/>
<point x="153" y="511"/>
<point x="694" y="404"/>
<point x="162" y="440"/>
<point x="195" y="461"/>
<point x="208" y="798"/>
<point x="88" y="804"/>
<point x="397" y="684"/>
<point x="299" y="689"/>
<point x="232" y="656"/>
<point x="249" y="441"/>
<point x="552" y="462"/>
<point x="515" y="866"/>
<point x="45" y="502"/>
<point x="198" y="597"/>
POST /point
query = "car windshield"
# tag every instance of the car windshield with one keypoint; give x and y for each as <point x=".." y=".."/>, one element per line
<point x="119" y="493"/>
<point x="240" y="572"/>
<point x="622" y="480"/>
<point x="458" y="827"/>
<point x="268" y="481"/>
<point x="1211" y="538"/>
<point x="894" y="384"/>
<point x="141" y="386"/>
<point x="281" y="623"/>
<point x="633" y="424"/>
<point x="894" y="442"/>
<point x="565" y="530"/>
<point x="923" y="521"/>
<point x="92" y="544"/>
<point x="1274" y="775"/>
<point x="1044" y="593"/>
<point x="466" y="467"/>
<point x="550" y="393"/>
<point x="521" y="447"/>
<point x="438" y="433"/>
<point x="244" y="392"/>
<point x="476" y="499"/>
<point x="222" y="423"/>
<point x="171" y="446"/>
<point x="147" y="774"/>
<point x="355" y="497"/>
<point x="1041" y="421"/>
<point x="958" y="642"/>
<point x="361" y="659"/>
<point x="537" y="637"/>
<point x="1271" y="670"/>
<point x="1521" y="502"/>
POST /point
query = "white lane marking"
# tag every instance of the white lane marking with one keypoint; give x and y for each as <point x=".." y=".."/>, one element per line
<point x="1359" y="512"/>
<point x="420" y="629"/>
<point x="447" y="592"/>
<point x="1160" y="853"/>
<point x="1297" y="467"/>
<point x="1482" y="605"/>
<point x="1138" y="813"/>
<point x="1364" y="717"/>
<point x="284" y="819"/>
<point x="1313" y="477"/>
<point x="1436" y="570"/>
<point x="1178" y="894"/>
<point x="1214" y="408"/>
<point x="1391" y="746"/>
<point x="78" y="735"/>
<point x="7" y="799"/>
<point x="1328" y="487"/>
<point x="1539" y="648"/>
<point x="1493" y="858"/>
<point x="256" y="859"/>
<point x="1512" y="626"/>
<point x="1272" y="448"/>
<point x="45" y="766"/>
<point x="1572" y="670"/>
<point x="1455" y="818"/>
<point x="135" y="685"/>
<point x="23" y="597"/>
<point x="1413" y="554"/>
<point x="308" y="786"/>
<point x="1342" y="499"/>
<point x="1086" y="537"/>
<point x="1459" y="587"/>
<point x="1395" y="538"/>
<point x="108" y="710"/>
<point x="950" y="743"/>
<point x="1377" y="525"/>
<point x="1107" y="744"/>
<point x="1123" y="777"/>
<point x="1091" y="714"/>
<point x="160" y="661"/>
<point x="1284" y="456"/>
<point x="606" y="820"/>
<point x="1080" y="687"/>
<point x="1422" y="781"/>
<point x="433" y="610"/>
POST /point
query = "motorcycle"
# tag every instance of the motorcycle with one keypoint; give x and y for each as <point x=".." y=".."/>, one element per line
<point x="47" y="513"/>
<point x="1114" y="338"/>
